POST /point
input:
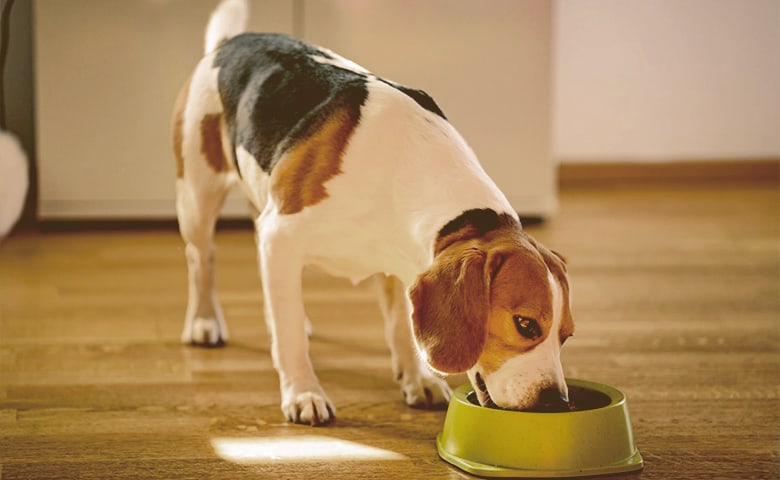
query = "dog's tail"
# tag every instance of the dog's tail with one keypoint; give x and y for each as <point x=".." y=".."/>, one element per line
<point x="228" y="20"/>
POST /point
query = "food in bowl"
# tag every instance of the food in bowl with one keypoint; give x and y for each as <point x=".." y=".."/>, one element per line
<point x="580" y="398"/>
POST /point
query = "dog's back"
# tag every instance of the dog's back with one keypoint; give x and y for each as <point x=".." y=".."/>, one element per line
<point x="277" y="91"/>
<point x="297" y="124"/>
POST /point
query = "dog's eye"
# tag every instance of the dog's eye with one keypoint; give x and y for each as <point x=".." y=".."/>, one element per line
<point x="527" y="327"/>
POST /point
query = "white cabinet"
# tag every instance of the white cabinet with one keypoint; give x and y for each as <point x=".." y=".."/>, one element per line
<point x="108" y="74"/>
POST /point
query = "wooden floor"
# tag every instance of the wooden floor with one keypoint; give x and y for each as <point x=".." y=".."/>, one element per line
<point x="677" y="302"/>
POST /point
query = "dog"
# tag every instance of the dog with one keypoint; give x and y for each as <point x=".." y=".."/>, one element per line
<point x="362" y="177"/>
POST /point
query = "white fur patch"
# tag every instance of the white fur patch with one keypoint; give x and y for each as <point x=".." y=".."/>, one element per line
<point x="13" y="181"/>
<point x="228" y="20"/>
<point x="339" y="61"/>
<point x="203" y="99"/>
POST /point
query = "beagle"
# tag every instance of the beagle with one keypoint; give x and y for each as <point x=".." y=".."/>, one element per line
<point x="362" y="177"/>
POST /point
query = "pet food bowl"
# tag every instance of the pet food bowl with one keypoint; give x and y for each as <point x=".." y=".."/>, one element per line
<point x="594" y="438"/>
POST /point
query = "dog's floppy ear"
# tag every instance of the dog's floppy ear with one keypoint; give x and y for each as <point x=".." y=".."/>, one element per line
<point x="557" y="265"/>
<point x="451" y="303"/>
<point x="554" y="260"/>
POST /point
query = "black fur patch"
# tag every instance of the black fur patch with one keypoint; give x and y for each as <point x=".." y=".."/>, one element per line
<point x="423" y="99"/>
<point x="274" y="94"/>
<point x="481" y="220"/>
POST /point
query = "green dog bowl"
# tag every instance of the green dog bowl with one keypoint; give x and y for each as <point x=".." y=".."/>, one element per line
<point x="594" y="438"/>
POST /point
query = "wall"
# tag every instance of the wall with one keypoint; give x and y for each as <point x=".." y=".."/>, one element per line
<point x="666" y="80"/>
<point x="108" y="73"/>
<point x="633" y="80"/>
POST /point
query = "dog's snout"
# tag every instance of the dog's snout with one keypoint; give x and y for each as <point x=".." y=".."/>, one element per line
<point x="551" y="399"/>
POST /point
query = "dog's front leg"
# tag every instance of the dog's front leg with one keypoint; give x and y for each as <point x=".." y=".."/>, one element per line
<point x="281" y="266"/>
<point x="419" y="386"/>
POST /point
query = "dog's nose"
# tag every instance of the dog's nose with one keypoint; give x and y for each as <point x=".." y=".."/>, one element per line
<point x="551" y="400"/>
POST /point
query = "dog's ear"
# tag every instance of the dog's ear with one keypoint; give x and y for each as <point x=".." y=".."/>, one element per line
<point x="451" y="303"/>
<point x="557" y="265"/>
<point x="554" y="260"/>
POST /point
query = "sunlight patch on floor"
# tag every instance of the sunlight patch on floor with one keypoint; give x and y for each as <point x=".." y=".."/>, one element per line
<point x="259" y="450"/>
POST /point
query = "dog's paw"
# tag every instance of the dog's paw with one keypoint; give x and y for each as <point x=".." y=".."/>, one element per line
<point x="310" y="407"/>
<point x="424" y="390"/>
<point x="205" y="332"/>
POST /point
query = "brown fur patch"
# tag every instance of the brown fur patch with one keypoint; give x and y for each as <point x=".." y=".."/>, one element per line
<point x="177" y="127"/>
<point x="298" y="180"/>
<point x="557" y="265"/>
<point x="516" y="280"/>
<point x="450" y="309"/>
<point x="558" y="269"/>
<point x="211" y="141"/>
<point x="520" y="288"/>
<point x="516" y="276"/>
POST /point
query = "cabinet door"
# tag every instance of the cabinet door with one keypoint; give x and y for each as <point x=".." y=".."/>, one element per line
<point x="107" y="75"/>
<point x="108" y="72"/>
<point x="487" y="64"/>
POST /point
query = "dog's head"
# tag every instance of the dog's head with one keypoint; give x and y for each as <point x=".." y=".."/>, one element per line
<point x="495" y="304"/>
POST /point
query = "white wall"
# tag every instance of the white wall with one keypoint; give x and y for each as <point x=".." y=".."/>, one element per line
<point x="661" y="80"/>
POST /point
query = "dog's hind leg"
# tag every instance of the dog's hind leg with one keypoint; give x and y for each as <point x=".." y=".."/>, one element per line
<point x="204" y="323"/>
<point x="201" y="187"/>
<point x="419" y="386"/>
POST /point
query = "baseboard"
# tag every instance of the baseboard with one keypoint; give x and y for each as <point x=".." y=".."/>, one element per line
<point x="145" y="209"/>
<point x="683" y="173"/>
